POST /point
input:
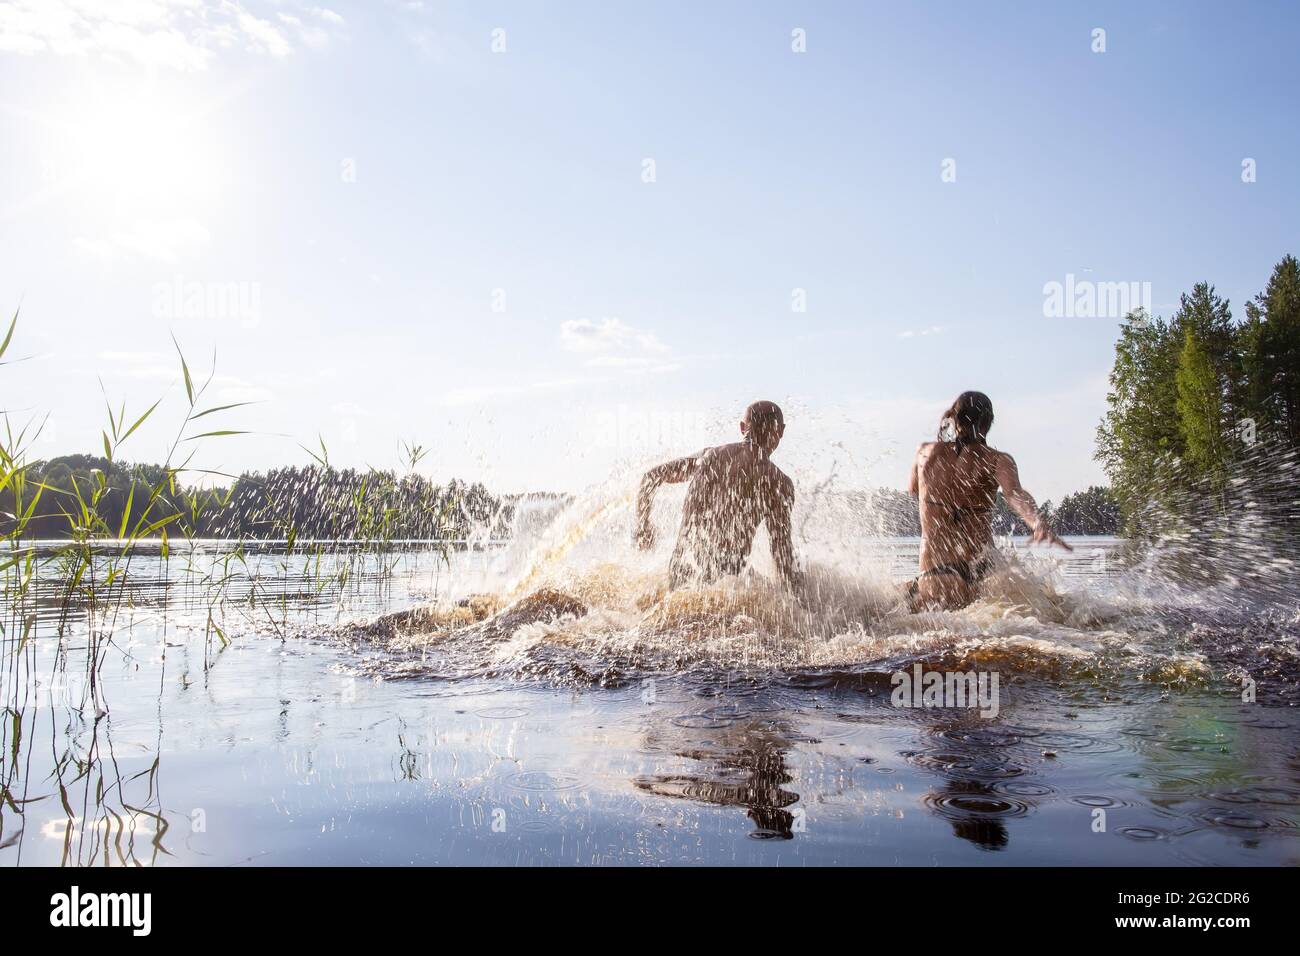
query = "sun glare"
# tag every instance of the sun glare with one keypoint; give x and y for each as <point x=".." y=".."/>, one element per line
<point x="143" y="152"/>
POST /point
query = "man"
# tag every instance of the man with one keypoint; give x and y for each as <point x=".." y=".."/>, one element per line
<point x="733" y="489"/>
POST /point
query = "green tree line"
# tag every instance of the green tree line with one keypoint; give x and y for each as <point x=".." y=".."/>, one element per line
<point x="1195" y="398"/>
<point x="318" y="501"/>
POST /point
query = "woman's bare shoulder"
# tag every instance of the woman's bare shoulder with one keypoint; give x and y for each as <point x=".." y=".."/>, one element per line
<point x="1000" y="461"/>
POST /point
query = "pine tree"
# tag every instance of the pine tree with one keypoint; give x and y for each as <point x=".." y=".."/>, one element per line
<point x="1201" y="412"/>
<point x="1210" y="319"/>
<point x="1139" y="435"/>
<point x="1270" y="345"/>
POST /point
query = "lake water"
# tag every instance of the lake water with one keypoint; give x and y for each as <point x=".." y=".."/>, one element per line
<point x="723" y="726"/>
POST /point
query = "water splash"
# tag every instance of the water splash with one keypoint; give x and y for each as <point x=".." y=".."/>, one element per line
<point x="572" y="601"/>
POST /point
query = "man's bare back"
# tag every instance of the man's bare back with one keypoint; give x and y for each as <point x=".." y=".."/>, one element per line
<point x="733" y="489"/>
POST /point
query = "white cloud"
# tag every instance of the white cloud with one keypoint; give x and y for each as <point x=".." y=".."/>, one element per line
<point x="163" y="240"/>
<point x="914" y="333"/>
<point x="130" y="356"/>
<point x="613" y="344"/>
<point x="264" y="36"/>
<point x="175" y="34"/>
<point x="638" y="363"/>
<point x="230" y="389"/>
<point x="315" y="37"/>
<point x="477" y="394"/>
<point x="609" y="344"/>
<point x="153" y="366"/>
<point x="606" y="335"/>
<point x="134" y="366"/>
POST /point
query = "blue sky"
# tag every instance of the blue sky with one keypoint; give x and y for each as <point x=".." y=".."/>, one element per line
<point x="393" y="232"/>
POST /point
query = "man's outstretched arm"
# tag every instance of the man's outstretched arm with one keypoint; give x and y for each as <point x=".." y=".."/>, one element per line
<point x="670" y="472"/>
<point x="1022" y="503"/>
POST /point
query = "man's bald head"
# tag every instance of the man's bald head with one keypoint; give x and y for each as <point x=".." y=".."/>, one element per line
<point x="764" y="424"/>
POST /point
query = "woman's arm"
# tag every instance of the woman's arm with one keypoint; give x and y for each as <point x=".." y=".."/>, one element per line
<point x="1023" y="504"/>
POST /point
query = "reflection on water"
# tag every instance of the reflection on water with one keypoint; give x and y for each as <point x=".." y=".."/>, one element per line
<point x="741" y="764"/>
<point x="629" y="726"/>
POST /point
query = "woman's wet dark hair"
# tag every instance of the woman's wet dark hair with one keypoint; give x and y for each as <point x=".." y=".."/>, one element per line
<point x="968" y="420"/>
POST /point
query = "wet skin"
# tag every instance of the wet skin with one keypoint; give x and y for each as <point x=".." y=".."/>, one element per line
<point x="733" y="489"/>
<point x="956" y="493"/>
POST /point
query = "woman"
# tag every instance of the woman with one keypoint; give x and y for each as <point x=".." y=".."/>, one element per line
<point x="956" y="480"/>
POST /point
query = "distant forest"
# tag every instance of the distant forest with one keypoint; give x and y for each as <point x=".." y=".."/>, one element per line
<point x="297" y="503"/>
<point x="329" y="503"/>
